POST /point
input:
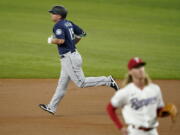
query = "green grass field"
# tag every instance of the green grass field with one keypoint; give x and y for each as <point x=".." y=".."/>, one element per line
<point x="117" y="30"/>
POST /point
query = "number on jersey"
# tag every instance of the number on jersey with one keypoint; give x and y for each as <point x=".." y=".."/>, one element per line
<point x="72" y="33"/>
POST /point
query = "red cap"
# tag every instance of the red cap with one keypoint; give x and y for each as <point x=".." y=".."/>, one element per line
<point x="135" y="62"/>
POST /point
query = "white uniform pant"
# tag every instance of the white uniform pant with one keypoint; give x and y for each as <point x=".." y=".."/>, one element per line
<point x="135" y="131"/>
<point x="71" y="70"/>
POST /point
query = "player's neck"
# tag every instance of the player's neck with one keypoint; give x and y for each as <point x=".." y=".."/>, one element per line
<point x="58" y="20"/>
<point x="140" y="83"/>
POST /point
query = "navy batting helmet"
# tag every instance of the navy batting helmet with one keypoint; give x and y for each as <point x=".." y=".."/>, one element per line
<point x="60" y="10"/>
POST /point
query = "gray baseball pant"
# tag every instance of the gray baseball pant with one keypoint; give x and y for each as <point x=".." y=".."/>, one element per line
<point x="71" y="69"/>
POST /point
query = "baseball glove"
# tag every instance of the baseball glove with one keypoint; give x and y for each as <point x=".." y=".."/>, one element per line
<point x="168" y="110"/>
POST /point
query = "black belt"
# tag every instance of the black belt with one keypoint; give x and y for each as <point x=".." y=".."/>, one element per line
<point x="62" y="56"/>
<point x="143" y="128"/>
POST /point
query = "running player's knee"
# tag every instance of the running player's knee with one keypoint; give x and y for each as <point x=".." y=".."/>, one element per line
<point x="80" y="83"/>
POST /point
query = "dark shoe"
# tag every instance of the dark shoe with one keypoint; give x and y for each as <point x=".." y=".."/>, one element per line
<point x="114" y="84"/>
<point x="46" y="108"/>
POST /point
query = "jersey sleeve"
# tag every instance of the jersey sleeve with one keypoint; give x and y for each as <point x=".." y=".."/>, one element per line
<point x="59" y="32"/>
<point x="120" y="98"/>
<point x="160" y="98"/>
<point x="79" y="33"/>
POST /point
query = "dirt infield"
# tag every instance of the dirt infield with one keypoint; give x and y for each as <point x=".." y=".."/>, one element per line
<point x="82" y="111"/>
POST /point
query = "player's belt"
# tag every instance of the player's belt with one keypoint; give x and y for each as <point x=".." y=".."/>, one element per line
<point x="63" y="55"/>
<point x="143" y="128"/>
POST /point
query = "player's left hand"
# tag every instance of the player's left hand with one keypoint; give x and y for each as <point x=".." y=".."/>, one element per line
<point x="169" y="110"/>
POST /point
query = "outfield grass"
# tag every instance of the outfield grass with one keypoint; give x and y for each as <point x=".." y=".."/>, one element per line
<point x="117" y="30"/>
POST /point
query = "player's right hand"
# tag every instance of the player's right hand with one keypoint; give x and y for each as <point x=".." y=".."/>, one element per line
<point x="124" y="131"/>
<point x="50" y="39"/>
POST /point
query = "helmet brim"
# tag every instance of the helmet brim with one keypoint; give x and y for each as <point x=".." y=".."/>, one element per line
<point x="52" y="12"/>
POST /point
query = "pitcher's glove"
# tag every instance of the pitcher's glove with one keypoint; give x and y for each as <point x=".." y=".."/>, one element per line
<point x="168" y="110"/>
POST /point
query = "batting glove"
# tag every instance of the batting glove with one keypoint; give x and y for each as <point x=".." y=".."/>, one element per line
<point x="50" y="39"/>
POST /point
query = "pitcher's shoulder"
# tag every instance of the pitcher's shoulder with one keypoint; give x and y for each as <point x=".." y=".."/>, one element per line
<point x="154" y="86"/>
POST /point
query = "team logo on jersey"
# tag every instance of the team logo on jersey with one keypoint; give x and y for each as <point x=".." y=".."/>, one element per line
<point x="136" y="59"/>
<point x="58" y="32"/>
<point x="137" y="104"/>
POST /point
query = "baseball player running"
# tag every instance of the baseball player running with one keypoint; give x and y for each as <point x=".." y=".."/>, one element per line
<point x="141" y="102"/>
<point x="66" y="35"/>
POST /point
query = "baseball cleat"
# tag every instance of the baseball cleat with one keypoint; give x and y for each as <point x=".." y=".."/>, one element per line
<point x="114" y="84"/>
<point x="46" y="108"/>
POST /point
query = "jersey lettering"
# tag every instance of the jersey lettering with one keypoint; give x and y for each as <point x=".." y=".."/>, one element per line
<point x="137" y="104"/>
